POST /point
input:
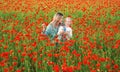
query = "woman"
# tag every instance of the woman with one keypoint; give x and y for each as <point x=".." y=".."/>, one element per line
<point x="52" y="29"/>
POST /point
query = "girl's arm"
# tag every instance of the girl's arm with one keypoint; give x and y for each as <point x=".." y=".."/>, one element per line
<point x="69" y="34"/>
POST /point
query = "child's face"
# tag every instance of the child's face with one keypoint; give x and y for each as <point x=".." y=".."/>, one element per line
<point x="68" y="22"/>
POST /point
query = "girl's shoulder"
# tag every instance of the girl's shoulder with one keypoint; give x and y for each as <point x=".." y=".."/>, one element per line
<point x="69" y="28"/>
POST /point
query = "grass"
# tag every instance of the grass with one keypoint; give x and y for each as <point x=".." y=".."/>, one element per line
<point x="95" y="33"/>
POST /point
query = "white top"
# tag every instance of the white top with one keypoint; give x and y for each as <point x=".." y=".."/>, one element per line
<point x="65" y="29"/>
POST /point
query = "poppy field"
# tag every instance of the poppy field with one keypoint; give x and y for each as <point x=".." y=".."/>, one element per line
<point x="94" y="47"/>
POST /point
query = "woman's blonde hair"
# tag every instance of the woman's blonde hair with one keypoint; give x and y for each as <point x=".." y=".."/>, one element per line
<point x="57" y="17"/>
<point x="58" y="14"/>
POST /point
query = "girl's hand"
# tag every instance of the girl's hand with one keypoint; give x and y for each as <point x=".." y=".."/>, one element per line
<point x="66" y="33"/>
<point x="62" y="32"/>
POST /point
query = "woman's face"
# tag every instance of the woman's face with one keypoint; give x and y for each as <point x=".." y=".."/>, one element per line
<point x="58" y="19"/>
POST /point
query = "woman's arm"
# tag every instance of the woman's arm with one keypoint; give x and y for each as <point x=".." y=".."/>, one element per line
<point x="43" y="28"/>
<point x="48" y="30"/>
<point x="60" y="30"/>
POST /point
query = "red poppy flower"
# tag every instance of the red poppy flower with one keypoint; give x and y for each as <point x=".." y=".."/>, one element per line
<point x="98" y="64"/>
<point x="56" y="68"/>
<point x="24" y="54"/>
<point x="18" y="70"/>
<point x="6" y="70"/>
<point x="50" y="63"/>
<point x="34" y="44"/>
<point x="116" y="66"/>
<point x="50" y="55"/>
<point x="14" y="63"/>
<point x="34" y="59"/>
<point x="108" y="66"/>
<point x="2" y="63"/>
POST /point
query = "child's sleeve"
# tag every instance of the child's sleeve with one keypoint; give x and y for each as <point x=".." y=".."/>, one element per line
<point x="70" y="33"/>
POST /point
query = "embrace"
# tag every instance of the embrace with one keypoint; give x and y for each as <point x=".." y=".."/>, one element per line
<point x="59" y="29"/>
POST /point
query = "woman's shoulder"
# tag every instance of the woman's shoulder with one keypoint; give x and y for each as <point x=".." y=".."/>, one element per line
<point x="60" y="27"/>
<point x="50" y="25"/>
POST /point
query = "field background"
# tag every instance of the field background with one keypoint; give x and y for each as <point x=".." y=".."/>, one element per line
<point x="94" y="47"/>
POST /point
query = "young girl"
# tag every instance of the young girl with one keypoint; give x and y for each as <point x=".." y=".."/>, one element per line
<point x="65" y="32"/>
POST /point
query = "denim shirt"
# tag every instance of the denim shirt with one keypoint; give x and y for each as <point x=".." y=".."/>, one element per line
<point x="51" y="31"/>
